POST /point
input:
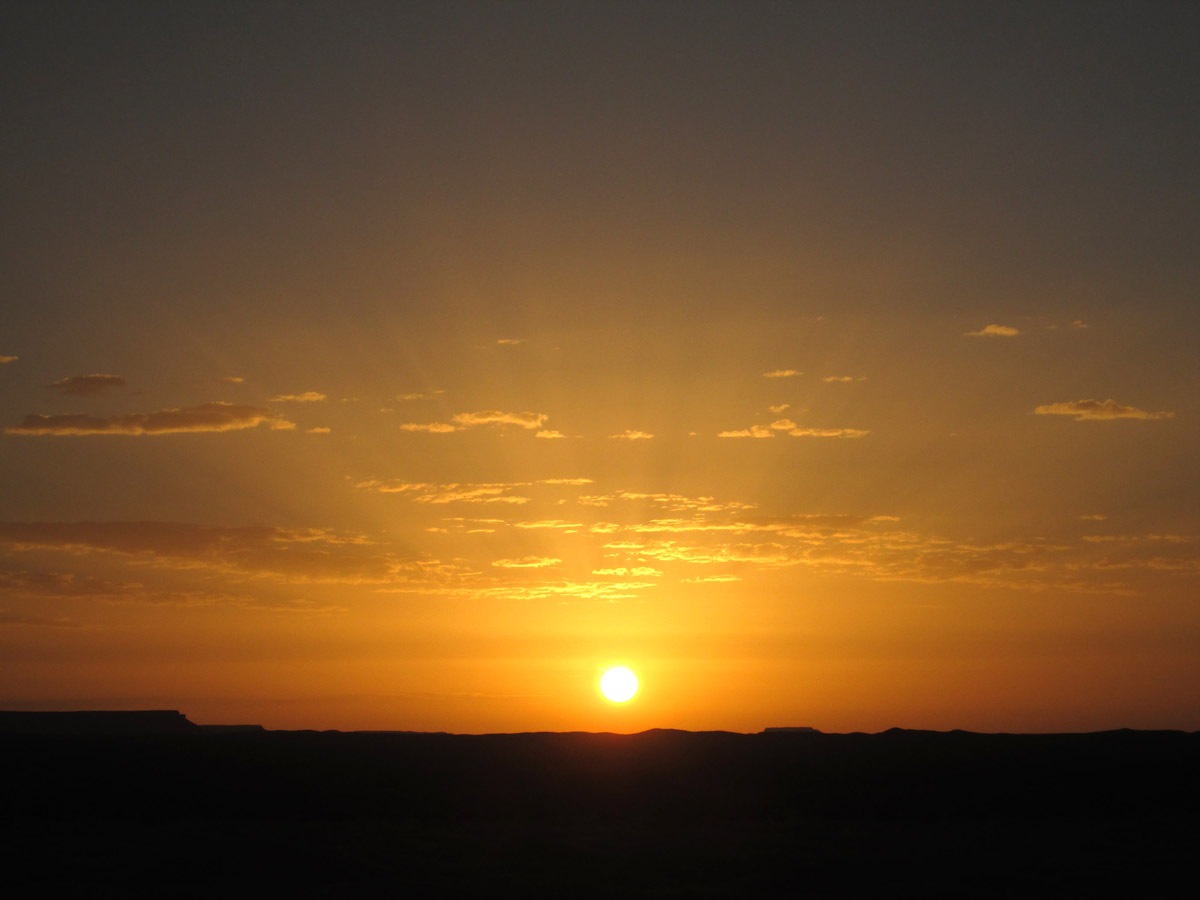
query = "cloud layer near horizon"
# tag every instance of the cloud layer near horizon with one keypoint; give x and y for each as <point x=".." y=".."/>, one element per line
<point x="1098" y="410"/>
<point x="207" y="417"/>
<point x="86" y="385"/>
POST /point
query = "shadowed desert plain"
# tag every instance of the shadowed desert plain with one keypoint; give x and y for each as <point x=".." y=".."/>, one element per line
<point x="149" y="804"/>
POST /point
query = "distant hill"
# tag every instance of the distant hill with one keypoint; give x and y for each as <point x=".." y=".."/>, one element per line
<point x="142" y="721"/>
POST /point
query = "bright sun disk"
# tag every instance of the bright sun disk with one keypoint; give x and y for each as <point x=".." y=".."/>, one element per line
<point x="618" y="684"/>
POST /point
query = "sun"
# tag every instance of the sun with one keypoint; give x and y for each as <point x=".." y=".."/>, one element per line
<point x="618" y="684"/>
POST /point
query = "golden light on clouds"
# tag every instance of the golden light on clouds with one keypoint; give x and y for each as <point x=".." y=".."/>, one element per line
<point x="402" y="400"/>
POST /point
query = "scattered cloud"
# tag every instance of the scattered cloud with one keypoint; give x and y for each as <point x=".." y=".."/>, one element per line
<point x="565" y="481"/>
<point x="1095" y="517"/>
<point x="710" y="579"/>
<point x="463" y="421"/>
<point x="1096" y="410"/>
<point x="754" y="431"/>
<point x="829" y="432"/>
<point x="780" y="373"/>
<point x="994" y="331"/>
<point x="509" y="342"/>
<point x="842" y="379"/>
<point x="636" y="572"/>
<point x="550" y="434"/>
<point x="1079" y="323"/>
<point x="791" y="428"/>
<point x="319" y="429"/>
<point x="449" y="493"/>
<point x="87" y="385"/>
<point x="630" y="435"/>
<point x="295" y="555"/>
<point x="306" y="397"/>
<point x="495" y="417"/>
<point x="233" y="379"/>
<point x="527" y="562"/>
<point x="5" y="360"/>
<point x="776" y="410"/>
<point x="216" y="416"/>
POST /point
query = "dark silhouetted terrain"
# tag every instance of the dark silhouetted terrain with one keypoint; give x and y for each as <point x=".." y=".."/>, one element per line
<point x="193" y="812"/>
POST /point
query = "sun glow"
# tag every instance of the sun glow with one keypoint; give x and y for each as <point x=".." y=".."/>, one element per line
<point x="618" y="684"/>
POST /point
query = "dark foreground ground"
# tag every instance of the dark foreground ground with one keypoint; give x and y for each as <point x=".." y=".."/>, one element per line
<point x="199" y="813"/>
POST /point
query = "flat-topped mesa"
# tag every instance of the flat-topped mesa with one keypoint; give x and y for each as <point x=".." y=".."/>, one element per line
<point x="790" y="729"/>
<point x="141" y="721"/>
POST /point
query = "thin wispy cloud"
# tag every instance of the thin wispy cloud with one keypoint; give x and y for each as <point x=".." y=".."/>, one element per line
<point x="233" y="379"/>
<point x="788" y="427"/>
<point x="422" y="492"/>
<point x="87" y="385"/>
<point x="630" y="434"/>
<point x="781" y="373"/>
<point x="216" y="416"/>
<point x="1098" y="410"/>
<point x="842" y="379"/>
<point x="510" y="342"/>
<point x="550" y="434"/>
<point x="306" y="397"/>
<point x="527" y="562"/>
<point x="431" y="427"/>
<point x="754" y="431"/>
<point x="994" y="331"/>
<point x="5" y="360"/>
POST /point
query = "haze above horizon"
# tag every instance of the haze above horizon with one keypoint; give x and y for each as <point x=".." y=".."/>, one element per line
<point x="388" y="366"/>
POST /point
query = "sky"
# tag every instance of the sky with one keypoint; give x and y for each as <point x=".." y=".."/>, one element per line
<point x="404" y="366"/>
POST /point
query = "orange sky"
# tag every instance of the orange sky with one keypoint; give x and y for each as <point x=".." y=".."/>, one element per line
<point x="403" y="366"/>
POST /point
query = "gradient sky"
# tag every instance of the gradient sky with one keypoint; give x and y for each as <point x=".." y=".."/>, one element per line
<point x="384" y="365"/>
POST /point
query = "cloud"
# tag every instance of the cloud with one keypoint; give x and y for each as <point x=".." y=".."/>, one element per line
<point x="509" y="342"/>
<point x="781" y="373"/>
<point x="754" y="431"/>
<point x="233" y="379"/>
<point x="565" y="481"/>
<point x="776" y="410"/>
<point x="217" y="416"/>
<point x="630" y="435"/>
<point x="295" y="555"/>
<point x="636" y="572"/>
<point x="668" y="501"/>
<point x="842" y="379"/>
<point x="87" y="385"/>
<point x="449" y="493"/>
<point x="710" y="579"/>
<point x="1095" y="517"/>
<point x="463" y="421"/>
<point x="306" y="397"/>
<point x="550" y="434"/>
<point x="829" y="432"/>
<point x="319" y="429"/>
<point x="495" y="417"/>
<point x="5" y="360"/>
<point x="527" y="562"/>
<point x="1079" y="323"/>
<point x="994" y="331"/>
<point x="791" y="428"/>
<point x="1096" y="410"/>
